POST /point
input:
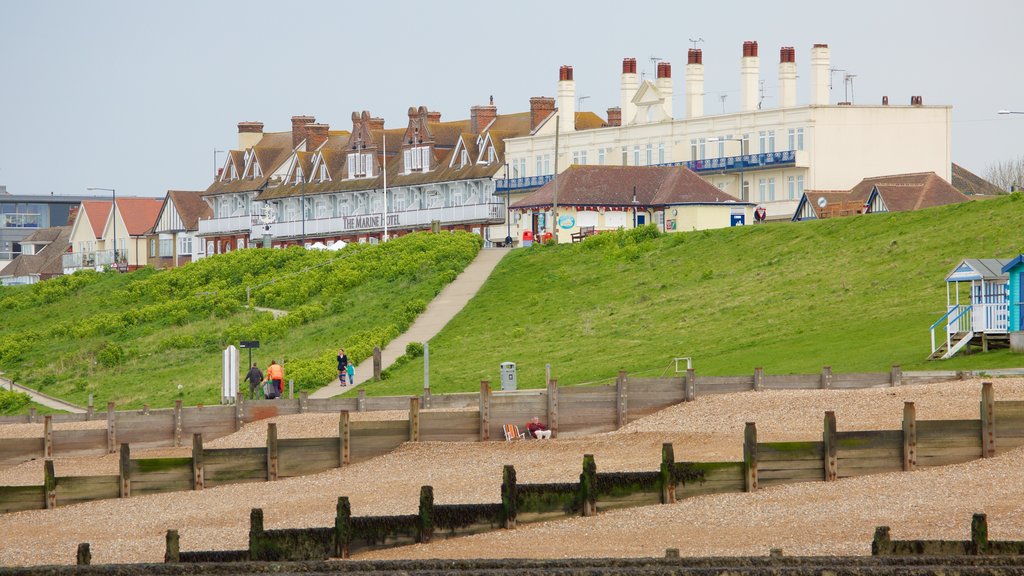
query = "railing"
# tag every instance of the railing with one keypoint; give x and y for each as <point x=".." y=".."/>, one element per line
<point x="737" y="163"/>
<point x="990" y="318"/>
<point x="957" y="324"/>
<point x="242" y="223"/>
<point x="90" y="259"/>
<point x="524" y="182"/>
<point x="342" y="224"/>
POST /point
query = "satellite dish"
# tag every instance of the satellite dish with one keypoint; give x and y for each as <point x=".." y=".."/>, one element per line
<point x="822" y="202"/>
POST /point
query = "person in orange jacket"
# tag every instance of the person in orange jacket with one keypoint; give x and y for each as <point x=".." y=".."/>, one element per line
<point x="275" y="374"/>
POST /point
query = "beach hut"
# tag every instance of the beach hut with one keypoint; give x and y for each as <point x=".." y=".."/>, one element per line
<point x="1015" y="303"/>
<point x="982" y="318"/>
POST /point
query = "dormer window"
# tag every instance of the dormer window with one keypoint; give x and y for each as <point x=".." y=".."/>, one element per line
<point x="360" y="165"/>
<point x="256" y="171"/>
<point x="491" y="156"/>
<point x="323" y="176"/>
<point x="463" y="158"/>
<point x="416" y="159"/>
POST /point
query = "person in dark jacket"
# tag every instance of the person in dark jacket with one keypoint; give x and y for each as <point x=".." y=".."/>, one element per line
<point x="342" y="366"/>
<point x="255" y="377"/>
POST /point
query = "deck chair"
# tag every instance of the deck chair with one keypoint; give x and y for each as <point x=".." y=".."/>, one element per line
<point x="512" y="433"/>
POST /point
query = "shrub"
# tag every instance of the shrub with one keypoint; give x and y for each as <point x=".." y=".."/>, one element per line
<point x="12" y="402"/>
<point x="110" y="355"/>
<point x="414" y="349"/>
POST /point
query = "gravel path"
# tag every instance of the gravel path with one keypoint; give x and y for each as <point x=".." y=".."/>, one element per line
<point x="811" y="518"/>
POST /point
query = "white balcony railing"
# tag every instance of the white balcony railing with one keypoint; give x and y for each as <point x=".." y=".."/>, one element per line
<point x="242" y="223"/>
<point x="95" y="260"/>
<point x="342" y="224"/>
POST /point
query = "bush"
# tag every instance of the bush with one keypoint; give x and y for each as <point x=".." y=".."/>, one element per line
<point x="414" y="349"/>
<point x="110" y="355"/>
<point x="13" y="402"/>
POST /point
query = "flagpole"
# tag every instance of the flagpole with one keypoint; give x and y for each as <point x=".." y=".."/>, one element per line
<point x="384" y="161"/>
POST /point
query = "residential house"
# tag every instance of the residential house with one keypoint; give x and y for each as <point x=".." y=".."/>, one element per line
<point x="97" y="226"/>
<point x="171" y="242"/>
<point x="41" y="257"/>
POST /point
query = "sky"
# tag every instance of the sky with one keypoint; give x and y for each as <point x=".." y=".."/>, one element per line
<point x="137" y="95"/>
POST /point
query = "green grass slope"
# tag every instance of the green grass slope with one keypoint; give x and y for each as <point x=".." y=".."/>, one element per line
<point x="857" y="294"/>
<point x="153" y="337"/>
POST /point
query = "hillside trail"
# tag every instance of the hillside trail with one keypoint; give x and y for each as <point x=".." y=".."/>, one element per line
<point x="439" y="312"/>
<point x="40" y="398"/>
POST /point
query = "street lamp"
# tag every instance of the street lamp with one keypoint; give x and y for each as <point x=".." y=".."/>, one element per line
<point x="215" y="152"/>
<point x="113" y="216"/>
<point x="743" y="192"/>
<point x="634" y="206"/>
<point x="1009" y="112"/>
<point x="508" y="210"/>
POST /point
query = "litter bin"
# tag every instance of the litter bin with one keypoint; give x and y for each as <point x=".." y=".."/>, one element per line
<point x="527" y="237"/>
<point x="508" y="375"/>
<point x="545" y="237"/>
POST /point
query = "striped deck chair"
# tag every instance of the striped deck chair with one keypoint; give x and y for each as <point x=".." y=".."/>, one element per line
<point x="512" y="433"/>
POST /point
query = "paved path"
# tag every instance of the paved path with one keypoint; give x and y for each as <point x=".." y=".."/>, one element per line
<point x="448" y="303"/>
<point x="275" y="313"/>
<point x="40" y="398"/>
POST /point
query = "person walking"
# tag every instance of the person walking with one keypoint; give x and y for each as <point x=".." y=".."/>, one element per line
<point x="342" y="366"/>
<point x="275" y="374"/>
<point x="255" y="378"/>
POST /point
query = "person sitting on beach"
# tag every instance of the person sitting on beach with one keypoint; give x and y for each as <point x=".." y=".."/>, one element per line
<point x="538" y="430"/>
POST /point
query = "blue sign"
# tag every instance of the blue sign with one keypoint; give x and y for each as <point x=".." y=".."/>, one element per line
<point x="737" y="220"/>
<point x="566" y="221"/>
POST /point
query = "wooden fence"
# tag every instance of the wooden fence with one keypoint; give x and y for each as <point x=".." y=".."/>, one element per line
<point x="978" y="545"/>
<point x="836" y="455"/>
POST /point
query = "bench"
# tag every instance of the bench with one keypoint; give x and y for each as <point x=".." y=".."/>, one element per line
<point x="584" y="232"/>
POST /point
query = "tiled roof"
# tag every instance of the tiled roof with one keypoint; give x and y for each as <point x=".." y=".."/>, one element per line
<point x="832" y="198"/>
<point x="588" y="121"/>
<point x="272" y="150"/>
<point x="615" y="185"/>
<point x="47" y="262"/>
<point x="139" y="214"/>
<point x="190" y="207"/>
<point x="518" y="123"/>
<point x="98" y="212"/>
<point x="970" y="183"/>
<point x="43" y="235"/>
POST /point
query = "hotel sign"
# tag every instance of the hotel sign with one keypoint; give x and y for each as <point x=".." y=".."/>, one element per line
<point x="370" y="221"/>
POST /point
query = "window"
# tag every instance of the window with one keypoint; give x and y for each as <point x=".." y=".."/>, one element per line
<point x="661" y="153"/>
<point x="791" y="186"/>
<point x="540" y="166"/>
<point x="762" y="189"/>
<point x="771" y="141"/>
<point x="583" y="156"/>
<point x="323" y="173"/>
<point x="547" y="163"/>
<point x="762" y="140"/>
<point x="791" y="140"/>
<point x="745" y="145"/>
<point x="600" y="155"/>
<point x="625" y="157"/>
<point x="241" y="243"/>
<point x="636" y="155"/>
<point x="185" y="245"/>
<point x="360" y="165"/>
<point x="799" y="138"/>
<point x="152" y="248"/>
<point x="650" y="154"/>
<point x="417" y="159"/>
<point x="463" y="158"/>
<point x="800" y="185"/>
<point x="771" y="189"/>
<point x="575" y="157"/>
<point x="702" y="148"/>
<point x="492" y="157"/>
<point x="745" y="194"/>
<point x="693" y="148"/>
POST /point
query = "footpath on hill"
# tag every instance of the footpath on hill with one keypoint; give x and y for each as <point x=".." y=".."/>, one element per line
<point x="40" y="398"/>
<point x="452" y="299"/>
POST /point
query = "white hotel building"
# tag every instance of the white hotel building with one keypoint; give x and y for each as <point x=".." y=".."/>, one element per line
<point x="815" y="145"/>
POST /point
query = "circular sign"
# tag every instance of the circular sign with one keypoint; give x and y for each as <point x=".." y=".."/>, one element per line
<point x="822" y="202"/>
<point x="566" y="221"/>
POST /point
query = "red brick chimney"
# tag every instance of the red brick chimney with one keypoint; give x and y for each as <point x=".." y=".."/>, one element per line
<point x="316" y="135"/>
<point x="565" y="73"/>
<point x="664" y="70"/>
<point x="694" y="56"/>
<point x="433" y="117"/>
<point x="250" y="127"/>
<point x="299" y="124"/>
<point x="787" y="54"/>
<point x="481" y="116"/>
<point x="540" y="108"/>
<point x="615" y="116"/>
<point x="374" y="123"/>
<point x="629" y="65"/>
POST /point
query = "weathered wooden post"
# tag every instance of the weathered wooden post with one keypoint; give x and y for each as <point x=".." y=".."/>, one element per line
<point x="826" y="377"/>
<point x="177" y="423"/>
<point x="830" y="449"/>
<point x="668" y="484"/>
<point x="83" y="556"/>
<point x="588" y="486"/>
<point x="425" y="523"/>
<point x="426" y="397"/>
<point x="690" y="388"/>
<point x="125" y="472"/>
<point x="988" y="421"/>
<point x="172" y="550"/>
<point x="239" y="410"/>
<point x="291" y="388"/>
<point x="343" y="438"/>
<point x="509" y="496"/>
<point x="414" y="419"/>
<point x="376" y="363"/>
<point x="896" y="375"/>
<point x="256" y="534"/>
<point x="31" y="415"/>
<point x="90" y="411"/>
<point x="621" y="400"/>
<point x="343" y="527"/>
<point x="198" y="469"/>
<point x="361" y="401"/>
<point x="50" y="484"/>
<point x="47" y="436"/>
<point x="111" y="429"/>
<point x="272" y="451"/>
<point x="750" y="457"/>
<point x="553" y="407"/>
<point x="909" y="437"/>
<point x="303" y="401"/>
<point x="881" y="543"/>
<point x="485" y="410"/>
<point x="979" y="535"/>
<point x="758" y="378"/>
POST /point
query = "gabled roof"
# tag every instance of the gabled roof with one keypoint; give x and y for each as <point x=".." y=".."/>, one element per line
<point x="44" y="235"/>
<point x="988" y="269"/>
<point x="190" y="207"/>
<point x="1012" y="263"/>
<point x="271" y="152"/>
<point x="98" y="212"/>
<point x="47" y="262"/>
<point x="582" y="185"/>
<point x="970" y="183"/>
<point x="930" y="191"/>
<point x="139" y="214"/>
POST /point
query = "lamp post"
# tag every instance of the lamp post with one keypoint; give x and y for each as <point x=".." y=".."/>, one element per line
<point x="508" y="210"/>
<point x="302" y="207"/>
<point x="634" y="206"/>
<point x="113" y="216"/>
<point x="215" y="152"/>
<point x="1009" y="112"/>
<point x="743" y="192"/>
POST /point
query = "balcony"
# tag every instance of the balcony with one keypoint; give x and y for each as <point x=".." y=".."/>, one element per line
<point x="521" y="183"/>
<point x="90" y="260"/>
<point x="404" y="219"/>
<point x="231" y="224"/>
<point x="747" y="162"/>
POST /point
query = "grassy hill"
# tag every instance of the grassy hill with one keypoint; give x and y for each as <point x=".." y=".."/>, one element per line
<point x="153" y="337"/>
<point x="855" y="293"/>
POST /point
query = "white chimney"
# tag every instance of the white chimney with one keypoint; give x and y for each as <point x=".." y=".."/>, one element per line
<point x="664" y="85"/>
<point x="749" y="70"/>
<point x="629" y="85"/>
<point x="249" y="134"/>
<point x="819" y="75"/>
<point x="787" y="77"/>
<point x="566" y="99"/>
<point x="694" y="83"/>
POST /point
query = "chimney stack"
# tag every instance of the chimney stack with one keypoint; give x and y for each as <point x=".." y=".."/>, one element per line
<point x="566" y="99"/>
<point x="374" y="123"/>
<point x="885" y="100"/>
<point x="749" y="70"/>
<point x="819" y="75"/>
<point x="433" y="117"/>
<point x="249" y="133"/>
<point x="316" y="135"/>
<point x="615" y="116"/>
<point x="299" y="124"/>
<point x="540" y="108"/>
<point x="628" y="87"/>
<point x="694" y="83"/>
<point x="916" y="101"/>
<point x="480" y="117"/>
<point x="787" y="77"/>
<point x="664" y="85"/>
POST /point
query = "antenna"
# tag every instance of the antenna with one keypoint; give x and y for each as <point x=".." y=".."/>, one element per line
<point x="579" y="102"/>
<point x="694" y="42"/>
<point x="654" y="64"/>
<point x="760" y="94"/>
<point x="832" y="71"/>
<point x="722" y="97"/>
<point x="848" y="87"/>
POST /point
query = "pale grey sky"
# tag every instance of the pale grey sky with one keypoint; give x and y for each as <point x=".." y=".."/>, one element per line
<point x="136" y="95"/>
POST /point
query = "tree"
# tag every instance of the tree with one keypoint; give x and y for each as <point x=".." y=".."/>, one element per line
<point x="1007" y="174"/>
